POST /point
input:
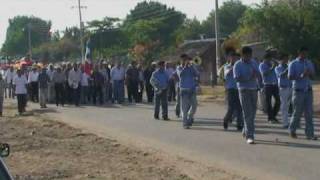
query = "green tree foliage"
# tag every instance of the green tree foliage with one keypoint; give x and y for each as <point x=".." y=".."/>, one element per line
<point x="229" y="15"/>
<point x="285" y="25"/>
<point x="153" y="25"/>
<point x="16" y="42"/>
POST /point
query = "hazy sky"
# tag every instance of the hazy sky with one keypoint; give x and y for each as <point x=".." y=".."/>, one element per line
<point x="62" y="15"/>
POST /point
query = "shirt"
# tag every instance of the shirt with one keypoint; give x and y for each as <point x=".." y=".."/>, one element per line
<point x="244" y="73"/>
<point x="44" y="79"/>
<point x="268" y="74"/>
<point x="33" y="76"/>
<point x="20" y="83"/>
<point x="132" y="74"/>
<point x="9" y="76"/>
<point x="282" y="74"/>
<point x="74" y="78"/>
<point x="58" y="77"/>
<point x="98" y="79"/>
<point x="187" y="77"/>
<point x="117" y="74"/>
<point x="85" y="79"/>
<point x="170" y="72"/>
<point x="296" y="69"/>
<point x="160" y="79"/>
<point x="50" y="74"/>
<point x="230" y="82"/>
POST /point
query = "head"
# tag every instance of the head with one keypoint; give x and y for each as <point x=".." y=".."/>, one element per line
<point x="246" y="53"/>
<point x="59" y="69"/>
<point x="44" y="70"/>
<point x="134" y="64"/>
<point x="161" y="65"/>
<point x="75" y="66"/>
<point x="268" y="56"/>
<point x="303" y="52"/>
<point x="51" y="67"/>
<point x="19" y="72"/>
<point x="230" y="55"/>
<point x="184" y="59"/>
<point x="284" y="58"/>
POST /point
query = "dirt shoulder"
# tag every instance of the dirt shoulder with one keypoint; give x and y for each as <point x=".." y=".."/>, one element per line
<point x="46" y="149"/>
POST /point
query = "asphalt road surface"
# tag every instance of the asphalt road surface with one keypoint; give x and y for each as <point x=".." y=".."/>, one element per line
<point x="275" y="156"/>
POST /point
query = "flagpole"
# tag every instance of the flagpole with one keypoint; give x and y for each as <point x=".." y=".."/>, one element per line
<point x="218" y="63"/>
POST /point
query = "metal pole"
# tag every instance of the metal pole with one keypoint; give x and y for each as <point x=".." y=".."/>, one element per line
<point x="81" y="32"/>
<point x="216" y="23"/>
<point x="29" y="40"/>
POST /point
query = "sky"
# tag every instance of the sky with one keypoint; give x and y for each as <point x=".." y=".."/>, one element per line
<point x="62" y="15"/>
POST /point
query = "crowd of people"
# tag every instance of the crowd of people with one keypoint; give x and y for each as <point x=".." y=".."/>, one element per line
<point x="288" y="83"/>
<point x="282" y="84"/>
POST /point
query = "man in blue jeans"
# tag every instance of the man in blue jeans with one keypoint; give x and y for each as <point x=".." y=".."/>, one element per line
<point x="233" y="101"/>
<point x="160" y="82"/>
<point x="270" y="86"/>
<point x="301" y="71"/>
<point x="246" y="73"/>
<point x="188" y="76"/>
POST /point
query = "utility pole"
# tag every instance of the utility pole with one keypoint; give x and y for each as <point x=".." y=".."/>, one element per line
<point x="81" y="28"/>
<point x="29" y="39"/>
<point x="216" y="25"/>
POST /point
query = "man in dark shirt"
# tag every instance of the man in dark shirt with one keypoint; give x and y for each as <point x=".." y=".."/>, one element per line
<point x="147" y="76"/>
<point x="132" y="80"/>
<point x="97" y="82"/>
<point x="43" y="80"/>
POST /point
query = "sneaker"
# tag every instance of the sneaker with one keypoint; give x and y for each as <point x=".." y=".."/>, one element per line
<point x="293" y="135"/>
<point x="250" y="141"/>
<point x="312" y="138"/>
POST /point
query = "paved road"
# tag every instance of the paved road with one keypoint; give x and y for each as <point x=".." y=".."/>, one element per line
<point x="275" y="156"/>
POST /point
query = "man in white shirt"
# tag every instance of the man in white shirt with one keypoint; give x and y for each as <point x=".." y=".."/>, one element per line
<point x="74" y="79"/>
<point x="34" y="86"/>
<point x="85" y="96"/>
<point x="20" y="85"/>
<point x="117" y="77"/>
<point x="51" y="92"/>
<point x="9" y="76"/>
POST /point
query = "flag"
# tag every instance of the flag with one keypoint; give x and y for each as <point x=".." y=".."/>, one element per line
<point x="88" y="55"/>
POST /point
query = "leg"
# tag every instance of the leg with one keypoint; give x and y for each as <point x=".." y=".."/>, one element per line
<point x="276" y="107"/>
<point x="297" y="103"/>
<point x="285" y="101"/>
<point x="308" y="114"/>
<point x="164" y="104"/>
<point x="20" y="103"/>
<point x="247" y="107"/>
<point x="157" y="106"/>
<point x="185" y="107"/>
<point x="193" y="106"/>
<point x="231" y="108"/>
<point x="178" y="103"/>
<point x="268" y="96"/>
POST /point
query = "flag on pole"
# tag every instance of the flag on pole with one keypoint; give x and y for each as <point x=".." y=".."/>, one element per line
<point x="88" y="55"/>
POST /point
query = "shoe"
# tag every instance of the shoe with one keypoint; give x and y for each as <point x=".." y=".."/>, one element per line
<point x="250" y="141"/>
<point x="225" y="125"/>
<point x="312" y="138"/>
<point x="156" y="117"/>
<point x="239" y="128"/>
<point x="166" y="119"/>
<point x="191" y="120"/>
<point x="285" y="126"/>
<point x="293" y="135"/>
<point x="186" y="127"/>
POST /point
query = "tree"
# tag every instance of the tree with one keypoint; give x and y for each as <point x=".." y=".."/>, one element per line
<point x="190" y="30"/>
<point x="286" y="26"/>
<point x="230" y="14"/>
<point x="151" y="26"/>
<point x="16" y="42"/>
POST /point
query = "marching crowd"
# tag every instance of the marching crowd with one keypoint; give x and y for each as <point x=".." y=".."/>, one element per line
<point x="288" y="83"/>
<point x="283" y="84"/>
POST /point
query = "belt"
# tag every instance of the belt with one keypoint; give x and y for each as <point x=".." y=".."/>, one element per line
<point x="303" y="90"/>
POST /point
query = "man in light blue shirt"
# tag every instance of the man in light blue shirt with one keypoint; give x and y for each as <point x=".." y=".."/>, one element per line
<point x="285" y="91"/>
<point x="246" y="73"/>
<point x="117" y="78"/>
<point x="188" y="75"/>
<point x="301" y="71"/>
<point x="233" y="101"/>
<point x="160" y="82"/>
<point x="270" y="87"/>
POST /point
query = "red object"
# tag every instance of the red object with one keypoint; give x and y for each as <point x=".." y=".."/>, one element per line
<point x="88" y="68"/>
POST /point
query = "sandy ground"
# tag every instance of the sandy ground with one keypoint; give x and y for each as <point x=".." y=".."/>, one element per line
<point x="43" y="149"/>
